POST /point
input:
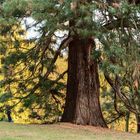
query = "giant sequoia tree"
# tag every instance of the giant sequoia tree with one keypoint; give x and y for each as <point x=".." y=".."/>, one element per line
<point x="75" y="24"/>
<point x="82" y="100"/>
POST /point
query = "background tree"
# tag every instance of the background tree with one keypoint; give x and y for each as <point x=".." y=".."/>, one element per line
<point x="121" y="60"/>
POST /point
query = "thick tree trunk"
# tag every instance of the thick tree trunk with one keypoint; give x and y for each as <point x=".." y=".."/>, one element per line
<point x="82" y="101"/>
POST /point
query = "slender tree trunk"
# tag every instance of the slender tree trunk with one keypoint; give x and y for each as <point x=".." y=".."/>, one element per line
<point x="138" y="124"/>
<point x="8" y="113"/>
<point x="82" y="101"/>
<point x="127" y="121"/>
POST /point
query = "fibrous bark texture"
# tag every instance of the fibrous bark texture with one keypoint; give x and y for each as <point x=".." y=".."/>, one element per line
<point x="82" y="100"/>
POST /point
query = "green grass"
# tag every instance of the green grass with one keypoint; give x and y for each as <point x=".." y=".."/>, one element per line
<point x="10" y="131"/>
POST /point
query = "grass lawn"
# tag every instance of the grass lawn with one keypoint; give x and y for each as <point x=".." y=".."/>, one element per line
<point x="63" y="131"/>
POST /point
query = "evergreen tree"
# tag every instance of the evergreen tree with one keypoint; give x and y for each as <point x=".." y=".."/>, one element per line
<point x="75" y="24"/>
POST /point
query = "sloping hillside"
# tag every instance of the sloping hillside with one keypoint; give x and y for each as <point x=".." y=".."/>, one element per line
<point x="62" y="131"/>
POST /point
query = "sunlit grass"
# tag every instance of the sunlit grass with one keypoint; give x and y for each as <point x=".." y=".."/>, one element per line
<point x="10" y="131"/>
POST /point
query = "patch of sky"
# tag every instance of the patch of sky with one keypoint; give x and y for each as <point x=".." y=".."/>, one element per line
<point x="32" y="28"/>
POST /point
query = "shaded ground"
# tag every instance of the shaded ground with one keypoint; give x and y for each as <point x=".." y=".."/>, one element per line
<point x="63" y="131"/>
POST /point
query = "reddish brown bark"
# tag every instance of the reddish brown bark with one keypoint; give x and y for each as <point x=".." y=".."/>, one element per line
<point x="82" y="100"/>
